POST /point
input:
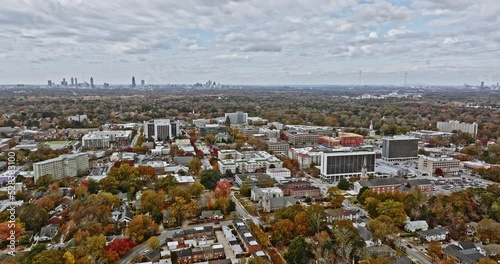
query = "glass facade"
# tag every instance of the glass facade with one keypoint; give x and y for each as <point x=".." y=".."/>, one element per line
<point x="350" y="164"/>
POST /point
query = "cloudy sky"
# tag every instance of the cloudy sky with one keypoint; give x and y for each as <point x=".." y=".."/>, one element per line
<point x="251" y="41"/>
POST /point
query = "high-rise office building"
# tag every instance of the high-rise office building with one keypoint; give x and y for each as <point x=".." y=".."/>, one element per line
<point x="161" y="129"/>
<point x="482" y="85"/>
<point x="399" y="148"/>
<point x="72" y="81"/>
<point x="133" y="81"/>
<point x="345" y="162"/>
<point x="92" y="82"/>
<point x="454" y="125"/>
<point x="49" y="83"/>
<point x="76" y="82"/>
<point x="143" y="82"/>
<point x="64" y="83"/>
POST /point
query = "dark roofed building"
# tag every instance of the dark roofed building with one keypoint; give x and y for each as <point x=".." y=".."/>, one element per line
<point x="464" y="252"/>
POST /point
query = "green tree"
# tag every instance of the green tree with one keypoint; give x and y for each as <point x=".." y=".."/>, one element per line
<point x="209" y="179"/>
<point x="32" y="216"/>
<point x="167" y="183"/>
<point x="299" y="252"/>
<point x="343" y="184"/>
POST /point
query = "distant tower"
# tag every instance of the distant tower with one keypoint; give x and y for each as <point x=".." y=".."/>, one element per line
<point x="76" y="82"/>
<point x="364" y="172"/>
<point x="359" y="78"/>
<point x="143" y="82"/>
<point x="133" y="81"/>
<point x="372" y="131"/>
<point x="72" y="81"/>
<point x="482" y="85"/>
<point x="49" y="83"/>
<point x="92" y="82"/>
<point x="405" y="78"/>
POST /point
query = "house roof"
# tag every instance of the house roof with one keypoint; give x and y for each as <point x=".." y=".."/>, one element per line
<point x="381" y="182"/>
<point x="279" y="202"/>
<point x="153" y="254"/>
<point x="433" y="232"/>
<point x="365" y="233"/>
<point x="48" y="231"/>
<point x="210" y="214"/>
<point x="466" y="256"/>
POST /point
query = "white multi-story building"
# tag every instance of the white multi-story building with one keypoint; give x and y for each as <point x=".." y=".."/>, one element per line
<point x="279" y="174"/>
<point x="161" y="129"/>
<point x="236" y="118"/>
<point x="103" y="139"/>
<point x="448" y="165"/>
<point x="62" y="166"/>
<point x="453" y="125"/>
<point x="305" y="156"/>
<point x="345" y="162"/>
<point x="249" y="161"/>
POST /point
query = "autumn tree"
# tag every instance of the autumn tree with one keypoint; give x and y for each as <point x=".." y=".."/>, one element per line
<point x="316" y="215"/>
<point x="395" y="210"/>
<point x="486" y="261"/>
<point x="92" y="250"/>
<point x="49" y="257"/>
<point x="147" y="173"/>
<point x="195" y="166"/>
<point x="301" y="224"/>
<point x="196" y="189"/>
<point x="6" y="228"/>
<point x="154" y="243"/>
<point x="222" y="189"/>
<point x="282" y="231"/>
<point x="347" y="243"/>
<point x="152" y="201"/>
<point x="119" y="248"/>
<point x="141" y="227"/>
<point x="489" y="231"/>
<point x="167" y="183"/>
<point x="32" y="216"/>
<point x="381" y="227"/>
<point x="45" y="202"/>
<point x="335" y="197"/>
<point x="435" y="250"/>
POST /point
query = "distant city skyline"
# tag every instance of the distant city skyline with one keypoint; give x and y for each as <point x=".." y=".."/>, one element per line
<point x="271" y="42"/>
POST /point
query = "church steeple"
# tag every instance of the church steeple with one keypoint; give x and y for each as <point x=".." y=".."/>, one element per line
<point x="364" y="172"/>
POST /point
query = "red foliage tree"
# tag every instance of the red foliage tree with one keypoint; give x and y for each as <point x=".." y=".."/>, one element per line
<point x="118" y="248"/>
<point x="222" y="189"/>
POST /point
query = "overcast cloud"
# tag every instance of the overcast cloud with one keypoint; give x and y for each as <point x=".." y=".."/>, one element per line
<point x="251" y="41"/>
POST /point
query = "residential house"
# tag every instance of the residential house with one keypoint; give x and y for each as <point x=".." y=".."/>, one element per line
<point x="250" y="244"/>
<point x="199" y="254"/>
<point x="413" y="226"/>
<point x="436" y="234"/>
<point x="212" y="215"/>
<point x="47" y="233"/>
<point x="153" y="255"/>
<point x="463" y="253"/>
<point x="333" y="215"/>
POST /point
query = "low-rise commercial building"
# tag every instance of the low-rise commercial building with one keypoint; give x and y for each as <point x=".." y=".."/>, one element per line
<point x="447" y="166"/>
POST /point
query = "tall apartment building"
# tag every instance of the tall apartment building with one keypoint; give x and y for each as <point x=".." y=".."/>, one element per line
<point x="103" y="139"/>
<point x="346" y="163"/>
<point x="237" y="118"/>
<point x="448" y="165"/>
<point x="399" y="148"/>
<point x="161" y="129"/>
<point x="452" y="125"/>
<point x="62" y="166"/>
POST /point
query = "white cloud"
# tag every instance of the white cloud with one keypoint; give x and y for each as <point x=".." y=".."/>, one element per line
<point x="227" y="35"/>
<point x="397" y="31"/>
